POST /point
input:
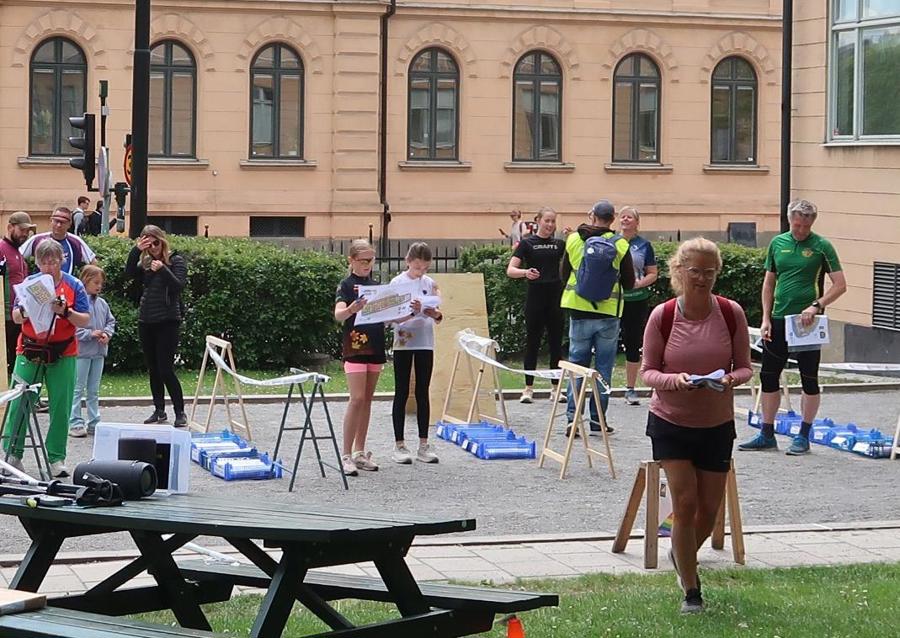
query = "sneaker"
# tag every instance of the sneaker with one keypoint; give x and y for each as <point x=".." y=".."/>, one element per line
<point x="631" y="397"/>
<point x="348" y="466"/>
<point x="799" y="446"/>
<point x="693" y="602"/>
<point x="426" y="455"/>
<point x="401" y="455"/>
<point x="180" y="420"/>
<point x="158" y="416"/>
<point x="563" y="398"/>
<point x="759" y="442"/>
<point x="58" y="469"/>
<point x="527" y="396"/>
<point x="364" y="461"/>
<point x="78" y="432"/>
<point x="16" y="462"/>
<point x="42" y="406"/>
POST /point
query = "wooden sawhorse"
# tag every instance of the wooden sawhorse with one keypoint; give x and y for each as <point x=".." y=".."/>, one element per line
<point x="646" y="486"/>
<point x="588" y="384"/>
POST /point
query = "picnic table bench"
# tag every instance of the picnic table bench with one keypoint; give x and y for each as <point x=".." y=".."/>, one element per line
<point x="64" y="623"/>
<point x="307" y="537"/>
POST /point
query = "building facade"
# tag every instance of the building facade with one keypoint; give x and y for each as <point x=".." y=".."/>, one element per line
<point x="846" y="159"/>
<point x="265" y="117"/>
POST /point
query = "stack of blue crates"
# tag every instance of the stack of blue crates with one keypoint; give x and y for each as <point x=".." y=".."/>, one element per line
<point x="848" y="437"/>
<point x="228" y="456"/>
<point x="487" y="441"/>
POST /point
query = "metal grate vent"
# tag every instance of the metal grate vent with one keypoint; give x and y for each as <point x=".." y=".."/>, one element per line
<point x="886" y="295"/>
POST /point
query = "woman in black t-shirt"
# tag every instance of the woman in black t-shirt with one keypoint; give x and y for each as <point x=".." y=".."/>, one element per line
<point x="363" y="354"/>
<point x="541" y="252"/>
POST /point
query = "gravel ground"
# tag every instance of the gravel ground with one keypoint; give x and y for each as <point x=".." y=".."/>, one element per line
<point x="515" y="497"/>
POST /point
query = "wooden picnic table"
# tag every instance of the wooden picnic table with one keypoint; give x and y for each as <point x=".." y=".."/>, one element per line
<point x="308" y="537"/>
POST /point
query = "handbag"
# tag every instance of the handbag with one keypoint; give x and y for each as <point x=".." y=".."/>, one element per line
<point x="43" y="352"/>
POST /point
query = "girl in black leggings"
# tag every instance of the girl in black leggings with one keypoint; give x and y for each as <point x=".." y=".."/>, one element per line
<point x="541" y="253"/>
<point x="414" y="349"/>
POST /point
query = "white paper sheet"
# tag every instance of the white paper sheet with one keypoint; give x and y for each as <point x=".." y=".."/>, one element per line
<point x="800" y="335"/>
<point x="36" y="295"/>
<point x="385" y="303"/>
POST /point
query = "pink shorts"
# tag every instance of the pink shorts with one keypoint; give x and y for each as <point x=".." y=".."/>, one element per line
<point x="350" y="367"/>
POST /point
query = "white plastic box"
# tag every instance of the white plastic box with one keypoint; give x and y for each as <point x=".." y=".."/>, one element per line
<point x="174" y="443"/>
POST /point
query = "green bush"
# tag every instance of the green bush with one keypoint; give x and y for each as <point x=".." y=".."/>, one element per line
<point x="274" y="306"/>
<point x="741" y="280"/>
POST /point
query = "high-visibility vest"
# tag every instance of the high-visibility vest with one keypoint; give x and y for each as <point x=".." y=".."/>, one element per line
<point x="571" y="299"/>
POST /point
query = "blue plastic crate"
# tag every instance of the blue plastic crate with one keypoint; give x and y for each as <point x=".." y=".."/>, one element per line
<point x="873" y="444"/>
<point x="246" y="469"/>
<point x="519" y="448"/>
<point x="449" y="431"/>
<point x="215" y="441"/>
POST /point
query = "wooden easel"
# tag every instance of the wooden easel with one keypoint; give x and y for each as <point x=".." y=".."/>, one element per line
<point x="474" y="413"/>
<point x="588" y="385"/>
<point x="646" y="487"/>
<point x="224" y="350"/>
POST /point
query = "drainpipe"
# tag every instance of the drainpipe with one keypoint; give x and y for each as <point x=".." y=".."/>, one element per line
<point x="787" y="56"/>
<point x="382" y="128"/>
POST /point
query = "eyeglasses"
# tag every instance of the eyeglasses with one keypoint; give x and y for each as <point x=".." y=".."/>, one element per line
<point x="60" y="220"/>
<point x="154" y="242"/>
<point x="706" y="273"/>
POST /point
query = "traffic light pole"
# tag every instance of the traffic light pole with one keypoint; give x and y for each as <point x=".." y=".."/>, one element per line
<point x="140" y="116"/>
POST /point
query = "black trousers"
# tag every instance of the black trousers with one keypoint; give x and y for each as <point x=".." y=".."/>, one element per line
<point x="12" y="339"/>
<point x="404" y="360"/>
<point x="542" y="312"/>
<point x="634" y="320"/>
<point x="159" y="341"/>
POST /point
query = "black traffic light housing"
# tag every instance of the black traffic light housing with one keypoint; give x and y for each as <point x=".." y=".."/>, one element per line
<point x="86" y="144"/>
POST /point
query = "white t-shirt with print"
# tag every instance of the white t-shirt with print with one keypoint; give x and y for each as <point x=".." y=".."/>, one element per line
<point x="416" y="333"/>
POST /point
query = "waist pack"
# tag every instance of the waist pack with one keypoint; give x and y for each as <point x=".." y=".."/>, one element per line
<point x="597" y="275"/>
<point x="43" y="352"/>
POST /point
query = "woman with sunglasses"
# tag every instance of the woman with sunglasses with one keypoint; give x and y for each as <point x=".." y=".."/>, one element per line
<point x="163" y="275"/>
<point x="691" y="426"/>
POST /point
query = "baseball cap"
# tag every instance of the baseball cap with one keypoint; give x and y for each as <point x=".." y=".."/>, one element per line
<point x="21" y="219"/>
<point x="603" y="210"/>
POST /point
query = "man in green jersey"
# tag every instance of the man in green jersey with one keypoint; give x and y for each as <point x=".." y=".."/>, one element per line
<point x="796" y="265"/>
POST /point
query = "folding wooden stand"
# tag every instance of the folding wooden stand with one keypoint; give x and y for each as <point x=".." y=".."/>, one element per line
<point x="24" y="431"/>
<point x="646" y="486"/>
<point x="238" y="427"/>
<point x="585" y="381"/>
<point x="475" y="414"/>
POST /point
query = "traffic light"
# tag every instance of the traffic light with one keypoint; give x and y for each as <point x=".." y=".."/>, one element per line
<point x="86" y="145"/>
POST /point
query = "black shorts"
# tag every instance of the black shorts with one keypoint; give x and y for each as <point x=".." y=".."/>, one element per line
<point x="708" y="449"/>
<point x="775" y="355"/>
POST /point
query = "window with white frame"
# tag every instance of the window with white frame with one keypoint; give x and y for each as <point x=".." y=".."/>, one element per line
<point x="864" y="70"/>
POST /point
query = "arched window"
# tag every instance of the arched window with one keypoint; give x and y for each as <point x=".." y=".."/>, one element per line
<point x="733" y="125"/>
<point x="636" y="110"/>
<point x="433" y="133"/>
<point x="537" y="108"/>
<point x="276" y="103"/>
<point x="58" y="88"/>
<point x="173" y="101"/>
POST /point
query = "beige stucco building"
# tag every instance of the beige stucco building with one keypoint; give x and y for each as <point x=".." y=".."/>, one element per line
<point x="846" y="159"/>
<point x="269" y="111"/>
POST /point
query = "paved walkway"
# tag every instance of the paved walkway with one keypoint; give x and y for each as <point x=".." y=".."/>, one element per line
<point x="504" y="560"/>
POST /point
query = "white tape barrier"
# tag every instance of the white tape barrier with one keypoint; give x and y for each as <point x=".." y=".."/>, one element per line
<point x="15" y="392"/>
<point x="478" y="347"/>
<point x="859" y="368"/>
<point x="302" y="377"/>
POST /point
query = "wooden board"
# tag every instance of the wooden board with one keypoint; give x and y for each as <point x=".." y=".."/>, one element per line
<point x="13" y="601"/>
<point x="464" y="306"/>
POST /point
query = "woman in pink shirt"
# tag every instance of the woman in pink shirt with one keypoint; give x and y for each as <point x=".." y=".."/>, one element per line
<point x="692" y="426"/>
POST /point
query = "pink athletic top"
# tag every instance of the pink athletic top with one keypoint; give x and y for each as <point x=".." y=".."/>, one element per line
<point x="695" y="347"/>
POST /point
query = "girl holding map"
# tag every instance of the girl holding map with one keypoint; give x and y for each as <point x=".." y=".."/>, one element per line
<point x="363" y="355"/>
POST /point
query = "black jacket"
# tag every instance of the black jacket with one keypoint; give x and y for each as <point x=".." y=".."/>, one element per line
<point x="161" y="296"/>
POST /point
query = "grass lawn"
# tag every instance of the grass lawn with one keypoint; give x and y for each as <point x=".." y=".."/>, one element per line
<point x="131" y="384"/>
<point x="813" y="602"/>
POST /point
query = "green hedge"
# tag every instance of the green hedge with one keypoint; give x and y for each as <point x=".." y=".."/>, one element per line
<point x="741" y="279"/>
<point x="275" y="306"/>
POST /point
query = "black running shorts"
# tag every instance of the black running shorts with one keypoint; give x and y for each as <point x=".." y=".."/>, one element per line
<point x="708" y="449"/>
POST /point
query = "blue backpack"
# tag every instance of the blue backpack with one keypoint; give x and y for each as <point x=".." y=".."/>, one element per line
<point x="597" y="275"/>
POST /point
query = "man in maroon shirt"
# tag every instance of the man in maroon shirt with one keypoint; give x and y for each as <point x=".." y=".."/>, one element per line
<point x="18" y="229"/>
